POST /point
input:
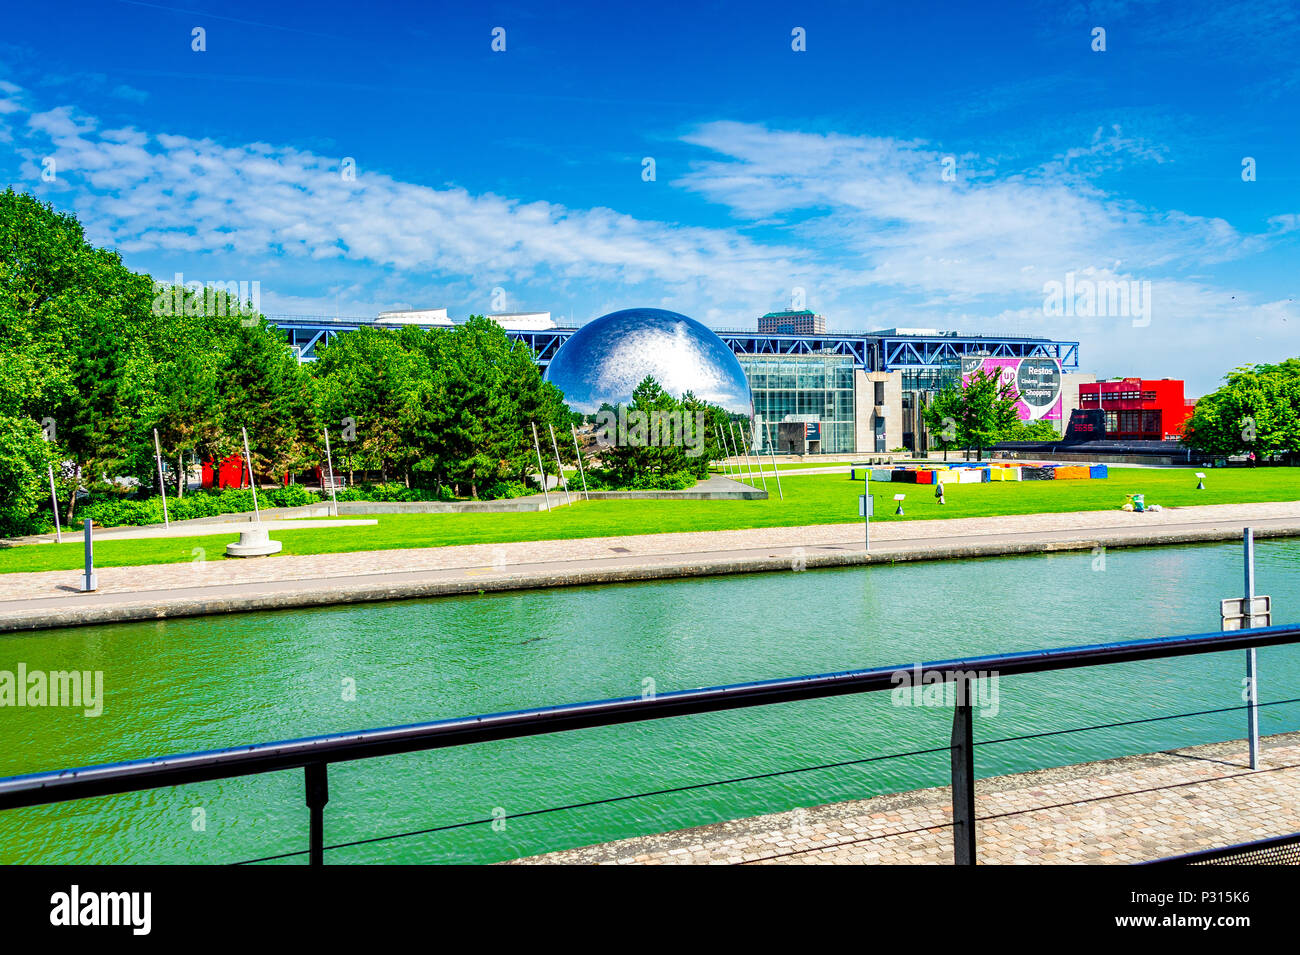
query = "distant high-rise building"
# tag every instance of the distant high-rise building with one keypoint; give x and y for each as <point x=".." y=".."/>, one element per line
<point x="791" y="321"/>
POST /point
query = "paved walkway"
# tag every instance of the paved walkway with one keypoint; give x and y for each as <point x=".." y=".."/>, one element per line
<point x="1115" y="811"/>
<point x="207" y="528"/>
<point x="52" y="598"/>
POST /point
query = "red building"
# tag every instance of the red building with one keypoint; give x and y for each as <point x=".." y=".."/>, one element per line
<point x="228" y="473"/>
<point x="1139" y="409"/>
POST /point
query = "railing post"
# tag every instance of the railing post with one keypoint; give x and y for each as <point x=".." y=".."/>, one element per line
<point x="91" y="580"/>
<point x="1252" y="671"/>
<point x="963" y="776"/>
<point x="318" y="794"/>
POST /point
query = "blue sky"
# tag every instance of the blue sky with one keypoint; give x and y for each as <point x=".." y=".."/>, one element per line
<point x="775" y="169"/>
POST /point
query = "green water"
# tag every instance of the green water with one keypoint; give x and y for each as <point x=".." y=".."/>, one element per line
<point x="197" y="684"/>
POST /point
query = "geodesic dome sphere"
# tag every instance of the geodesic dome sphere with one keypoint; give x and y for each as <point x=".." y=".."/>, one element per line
<point x="609" y="356"/>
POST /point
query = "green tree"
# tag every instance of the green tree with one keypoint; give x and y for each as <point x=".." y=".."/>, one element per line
<point x="656" y="435"/>
<point x="973" y="414"/>
<point x="708" y="420"/>
<point x="43" y="255"/>
<point x="263" y="388"/>
<point x="1036" y="430"/>
<point x="478" y="397"/>
<point x="368" y="378"/>
<point x="1256" y="409"/>
<point x="186" y="407"/>
<point x="639" y="449"/>
<point x="72" y="321"/>
<point x="24" y="487"/>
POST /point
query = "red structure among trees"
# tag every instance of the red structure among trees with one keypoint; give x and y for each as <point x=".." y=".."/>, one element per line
<point x="1139" y="409"/>
<point x="230" y="472"/>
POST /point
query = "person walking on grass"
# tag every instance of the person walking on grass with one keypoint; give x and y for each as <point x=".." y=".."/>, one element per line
<point x="938" y="489"/>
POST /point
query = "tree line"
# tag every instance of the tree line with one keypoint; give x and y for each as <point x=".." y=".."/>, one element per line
<point x="1256" y="409"/>
<point x="95" y="357"/>
<point x="660" y="441"/>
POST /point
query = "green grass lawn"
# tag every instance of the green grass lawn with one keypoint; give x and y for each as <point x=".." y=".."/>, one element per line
<point x="809" y="499"/>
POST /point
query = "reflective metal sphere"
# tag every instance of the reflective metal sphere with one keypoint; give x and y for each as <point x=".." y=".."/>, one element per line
<point x="609" y="356"/>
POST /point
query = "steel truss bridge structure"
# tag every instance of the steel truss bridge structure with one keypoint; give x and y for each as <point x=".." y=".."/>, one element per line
<point x="870" y="351"/>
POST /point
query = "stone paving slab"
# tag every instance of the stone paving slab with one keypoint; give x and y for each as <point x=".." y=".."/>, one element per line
<point x="52" y="598"/>
<point x="1126" y="810"/>
<point x="211" y="528"/>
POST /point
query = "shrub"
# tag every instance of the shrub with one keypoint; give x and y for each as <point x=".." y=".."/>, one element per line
<point x="504" y="490"/>
<point x="393" y="492"/>
<point x="605" y="480"/>
<point x="112" y="508"/>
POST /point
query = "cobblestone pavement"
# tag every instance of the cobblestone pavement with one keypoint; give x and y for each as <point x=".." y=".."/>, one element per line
<point x="1115" y="811"/>
<point x="572" y="553"/>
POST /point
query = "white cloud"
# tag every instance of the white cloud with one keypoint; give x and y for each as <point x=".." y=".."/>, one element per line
<point x="975" y="253"/>
<point x="162" y="192"/>
<point x="895" y="218"/>
<point x="867" y="225"/>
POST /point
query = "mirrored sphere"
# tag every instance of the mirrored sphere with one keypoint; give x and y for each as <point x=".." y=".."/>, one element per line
<point x="609" y="356"/>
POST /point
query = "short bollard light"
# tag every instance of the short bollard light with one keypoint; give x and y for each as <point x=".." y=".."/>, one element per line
<point x="898" y="512"/>
<point x="1200" y="480"/>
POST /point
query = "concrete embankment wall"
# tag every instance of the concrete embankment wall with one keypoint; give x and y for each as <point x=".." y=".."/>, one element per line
<point x="325" y="591"/>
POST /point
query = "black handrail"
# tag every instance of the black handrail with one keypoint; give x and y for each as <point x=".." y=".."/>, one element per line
<point x="316" y="752"/>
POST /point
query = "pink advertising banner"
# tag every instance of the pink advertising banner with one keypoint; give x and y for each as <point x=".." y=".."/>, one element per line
<point x="1036" y="380"/>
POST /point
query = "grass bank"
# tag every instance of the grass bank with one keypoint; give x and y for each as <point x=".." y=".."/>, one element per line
<point x="809" y="499"/>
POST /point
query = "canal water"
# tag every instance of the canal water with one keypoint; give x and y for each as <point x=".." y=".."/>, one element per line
<point x="186" y="685"/>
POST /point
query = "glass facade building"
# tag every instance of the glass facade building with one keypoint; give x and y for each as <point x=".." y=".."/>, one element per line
<point x="804" y="388"/>
<point x="933" y="379"/>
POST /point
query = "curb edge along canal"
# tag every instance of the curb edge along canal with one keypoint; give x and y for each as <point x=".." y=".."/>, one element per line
<point x="321" y="592"/>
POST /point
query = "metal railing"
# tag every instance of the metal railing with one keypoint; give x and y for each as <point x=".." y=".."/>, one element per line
<point x="314" y="754"/>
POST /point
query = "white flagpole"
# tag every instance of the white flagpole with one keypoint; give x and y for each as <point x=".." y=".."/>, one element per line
<point x="162" y="488"/>
<point x="758" y="457"/>
<point x="726" y="452"/>
<point x="538" y="448"/>
<point x="578" y="452"/>
<point x="771" y="453"/>
<point x="559" y="465"/>
<point x="329" y="462"/>
<point x="54" y="499"/>
<point x="252" y="481"/>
